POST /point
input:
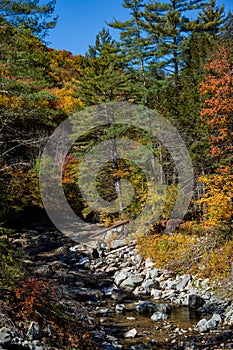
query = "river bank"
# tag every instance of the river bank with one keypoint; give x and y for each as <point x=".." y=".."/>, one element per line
<point x="124" y="301"/>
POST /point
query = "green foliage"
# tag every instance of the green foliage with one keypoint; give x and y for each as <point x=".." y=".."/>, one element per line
<point x="160" y="62"/>
<point x="145" y="81"/>
<point x="11" y="266"/>
<point x="103" y="79"/>
<point x="19" y="191"/>
<point x="27" y="113"/>
<point x="29" y="15"/>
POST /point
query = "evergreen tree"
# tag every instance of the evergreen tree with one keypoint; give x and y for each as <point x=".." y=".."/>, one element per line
<point x="227" y="30"/>
<point x="183" y="46"/>
<point x="135" y="50"/>
<point x="168" y="26"/>
<point x="29" y="14"/>
<point x="26" y="104"/>
<point x="210" y="18"/>
<point x="103" y="78"/>
<point x="134" y="45"/>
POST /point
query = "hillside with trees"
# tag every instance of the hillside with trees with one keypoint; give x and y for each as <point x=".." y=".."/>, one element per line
<point x="166" y="60"/>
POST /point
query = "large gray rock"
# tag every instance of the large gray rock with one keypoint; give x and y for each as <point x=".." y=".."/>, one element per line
<point x="158" y="316"/>
<point x="149" y="307"/>
<point x="131" y="333"/>
<point x="156" y="294"/>
<point x="213" y="307"/>
<point x="117" y="243"/>
<point x="145" y="307"/>
<point x="152" y="274"/>
<point x="170" y="285"/>
<point x="183" y="282"/>
<point x="120" y="276"/>
<point x="148" y="284"/>
<point x="164" y="308"/>
<point x="137" y="258"/>
<point x="131" y="283"/>
<point x="202" y="325"/>
<point x="214" y="321"/>
<point x="5" y="336"/>
<point x="205" y="325"/>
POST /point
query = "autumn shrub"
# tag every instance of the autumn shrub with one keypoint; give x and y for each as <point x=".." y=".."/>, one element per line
<point x="159" y="205"/>
<point x="191" y="228"/>
<point x="217" y="203"/>
<point x="39" y="300"/>
<point x="35" y="295"/>
<point x="167" y="250"/>
<point x="218" y="261"/>
<point x="204" y="256"/>
<point x="217" y="92"/>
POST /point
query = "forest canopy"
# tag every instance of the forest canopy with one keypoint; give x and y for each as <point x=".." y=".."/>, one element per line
<point x="166" y="60"/>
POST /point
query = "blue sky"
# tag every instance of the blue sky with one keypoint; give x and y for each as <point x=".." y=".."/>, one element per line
<point x="80" y="20"/>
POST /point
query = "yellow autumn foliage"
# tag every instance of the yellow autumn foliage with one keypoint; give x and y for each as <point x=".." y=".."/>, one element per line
<point x="11" y="101"/>
<point x="217" y="200"/>
<point x="205" y="256"/>
<point x="66" y="101"/>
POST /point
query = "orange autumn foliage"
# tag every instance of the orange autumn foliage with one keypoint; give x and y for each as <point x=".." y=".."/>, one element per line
<point x="217" y="88"/>
<point x="66" y="69"/>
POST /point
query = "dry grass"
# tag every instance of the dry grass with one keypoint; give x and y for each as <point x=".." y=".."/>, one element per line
<point x="204" y="256"/>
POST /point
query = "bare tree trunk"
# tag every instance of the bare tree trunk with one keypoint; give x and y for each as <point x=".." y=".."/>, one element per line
<point x="114" y="158"/>
<point x="117" y="183"/>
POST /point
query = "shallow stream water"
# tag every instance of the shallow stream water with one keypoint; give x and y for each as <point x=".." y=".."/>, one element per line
<point x="180" y="321"/>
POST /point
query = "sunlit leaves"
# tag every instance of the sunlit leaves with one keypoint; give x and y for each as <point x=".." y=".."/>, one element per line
<point x="217" y="89"/>
<point x="217" y="201"/>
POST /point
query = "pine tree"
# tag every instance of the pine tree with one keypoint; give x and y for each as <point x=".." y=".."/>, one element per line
<point x="168" y="26"/>
<point x="210" y="18"/>
<point x="29" y="14"/>
<point x="104" y="78"/>
<point x="184" y="64"/>
<point x="26" y="104"/>
<point x="227" y="29"/>
<point x="135" y="51"/>
<point x="134" y="46"/>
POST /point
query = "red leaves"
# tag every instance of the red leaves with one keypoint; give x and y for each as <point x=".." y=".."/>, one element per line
<point x="35" y="295"/>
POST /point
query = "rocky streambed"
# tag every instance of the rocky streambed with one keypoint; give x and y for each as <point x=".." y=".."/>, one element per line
<point x="126" y="301"/>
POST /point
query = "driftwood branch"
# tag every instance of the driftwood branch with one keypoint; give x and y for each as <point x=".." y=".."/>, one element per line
<point x="132" y="245"/>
